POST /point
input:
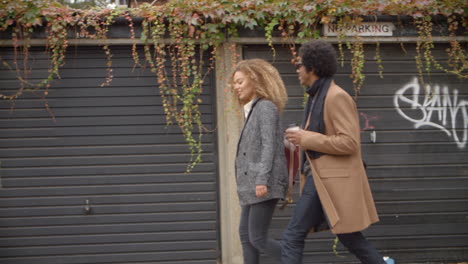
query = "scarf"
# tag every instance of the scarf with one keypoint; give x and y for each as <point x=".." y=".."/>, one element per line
<point x="317" y="93"/>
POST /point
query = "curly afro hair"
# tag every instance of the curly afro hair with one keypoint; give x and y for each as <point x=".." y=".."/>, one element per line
<point x="319" y="56"/>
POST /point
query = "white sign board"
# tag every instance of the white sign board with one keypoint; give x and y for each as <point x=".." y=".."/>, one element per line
<point x="365" y="29"/>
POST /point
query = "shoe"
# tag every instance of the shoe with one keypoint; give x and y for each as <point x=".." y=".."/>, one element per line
<point x="388" y="260"/>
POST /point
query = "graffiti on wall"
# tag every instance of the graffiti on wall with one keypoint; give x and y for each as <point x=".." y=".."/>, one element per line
<point x="438" y="109"/>
<point x="368" y="118"/>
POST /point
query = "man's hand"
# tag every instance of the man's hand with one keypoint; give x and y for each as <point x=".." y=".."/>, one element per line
<point x="294" y="136"/>
<point x="261" y="190"/>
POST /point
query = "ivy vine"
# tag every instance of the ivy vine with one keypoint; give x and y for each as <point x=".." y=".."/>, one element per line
<point x="179" y="33"/>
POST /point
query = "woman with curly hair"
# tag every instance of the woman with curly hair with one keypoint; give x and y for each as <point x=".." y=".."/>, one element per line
<point x="260" y="164"/>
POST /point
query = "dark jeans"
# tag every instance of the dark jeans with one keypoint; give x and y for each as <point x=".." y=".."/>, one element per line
<point x="253" y="229"/>
<point x="309" y="213"/>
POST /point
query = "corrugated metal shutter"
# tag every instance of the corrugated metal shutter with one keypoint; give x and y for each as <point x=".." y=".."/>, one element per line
<point x="109" y="146"/>
<point x="418" y="171"/>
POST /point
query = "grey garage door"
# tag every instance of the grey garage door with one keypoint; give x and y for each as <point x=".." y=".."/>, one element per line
<point x="106" y="148"/>
<point x="417" y="164"/>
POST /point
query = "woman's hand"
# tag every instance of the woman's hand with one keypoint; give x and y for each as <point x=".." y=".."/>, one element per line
<point x="261" y="190"/>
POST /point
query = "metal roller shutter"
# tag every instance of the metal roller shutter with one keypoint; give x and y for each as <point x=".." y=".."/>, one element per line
<point x="418" y="165"/>
<point x="108" y="146"/>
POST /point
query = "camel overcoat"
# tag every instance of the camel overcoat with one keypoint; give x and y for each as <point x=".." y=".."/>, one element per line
<point x="339" y="174"/>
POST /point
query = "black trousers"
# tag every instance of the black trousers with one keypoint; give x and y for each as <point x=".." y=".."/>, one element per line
<point x="309" y="213"/>
<point x="253" y="230"/>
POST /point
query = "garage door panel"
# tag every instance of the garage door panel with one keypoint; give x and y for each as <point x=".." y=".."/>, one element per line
<point x="93" y="131"/>
<point x="54" y="141"/>
<point x="415" y="183"/>
<point x="429" y="206"/>
<point x="109" y="209"/>
<point x="109" y="189"/>
<point x="106" y="249"/>
<point x="372" y="102"/>
<point x="107" y="229"/>
<point x="89" y="82"/>
<point x="97" y="150"/>
<point x="417" y="137"/>
<point x="200" y="196"/>
<point x="391" y="83"/>
<point x="100" y="160"/>
<point x="85" y="52"/>
<point x="422" y="219"/>
<point x="418" y="229"/>
<point x="387" y="194"/>
<point x="93" y="111"/>
<point x="396" y="148"/>
<point x="97" y="70"/>
<point x="45" y="181"/>
<point x="415" y="159"/>
<point x="107" y="91"/>
<point x="86" y="101"/>
<point x="81" y="220"/>
<point x="76" y="55"/>
<point x="108" y="238"/>
<point x="420" y="171"/>
<point x="389" y="67"/>
<point x="105" y="170"/>
<point x="407" y="118"/>
<point x="181" y="257"/>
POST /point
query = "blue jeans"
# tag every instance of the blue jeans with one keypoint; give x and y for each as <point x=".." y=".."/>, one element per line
<point x="253" y="230"/>
<point x="309" y="213"/>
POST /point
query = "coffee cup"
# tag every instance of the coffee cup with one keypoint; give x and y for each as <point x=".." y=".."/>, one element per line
<point x="293" y="127"/>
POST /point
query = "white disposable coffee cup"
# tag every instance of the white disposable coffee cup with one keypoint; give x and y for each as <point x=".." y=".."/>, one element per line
<point x="293" y="128"/>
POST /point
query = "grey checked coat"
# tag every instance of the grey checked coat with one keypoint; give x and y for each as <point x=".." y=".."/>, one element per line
<point x="260" y="158"/>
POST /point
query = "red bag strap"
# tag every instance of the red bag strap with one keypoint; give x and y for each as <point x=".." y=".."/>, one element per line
<point x="293" y="165"/>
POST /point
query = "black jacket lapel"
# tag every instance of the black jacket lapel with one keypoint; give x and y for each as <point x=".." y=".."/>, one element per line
<point x="245" y="123"/>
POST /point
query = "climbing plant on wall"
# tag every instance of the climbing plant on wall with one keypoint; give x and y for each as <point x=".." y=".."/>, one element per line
<point x="182" y="32"/>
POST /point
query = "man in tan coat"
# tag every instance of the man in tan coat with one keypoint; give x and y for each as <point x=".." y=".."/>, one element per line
<point x="335" y="192"/>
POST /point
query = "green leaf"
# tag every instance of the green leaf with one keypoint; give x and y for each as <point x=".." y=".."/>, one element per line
<point x="251" y="24"/>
